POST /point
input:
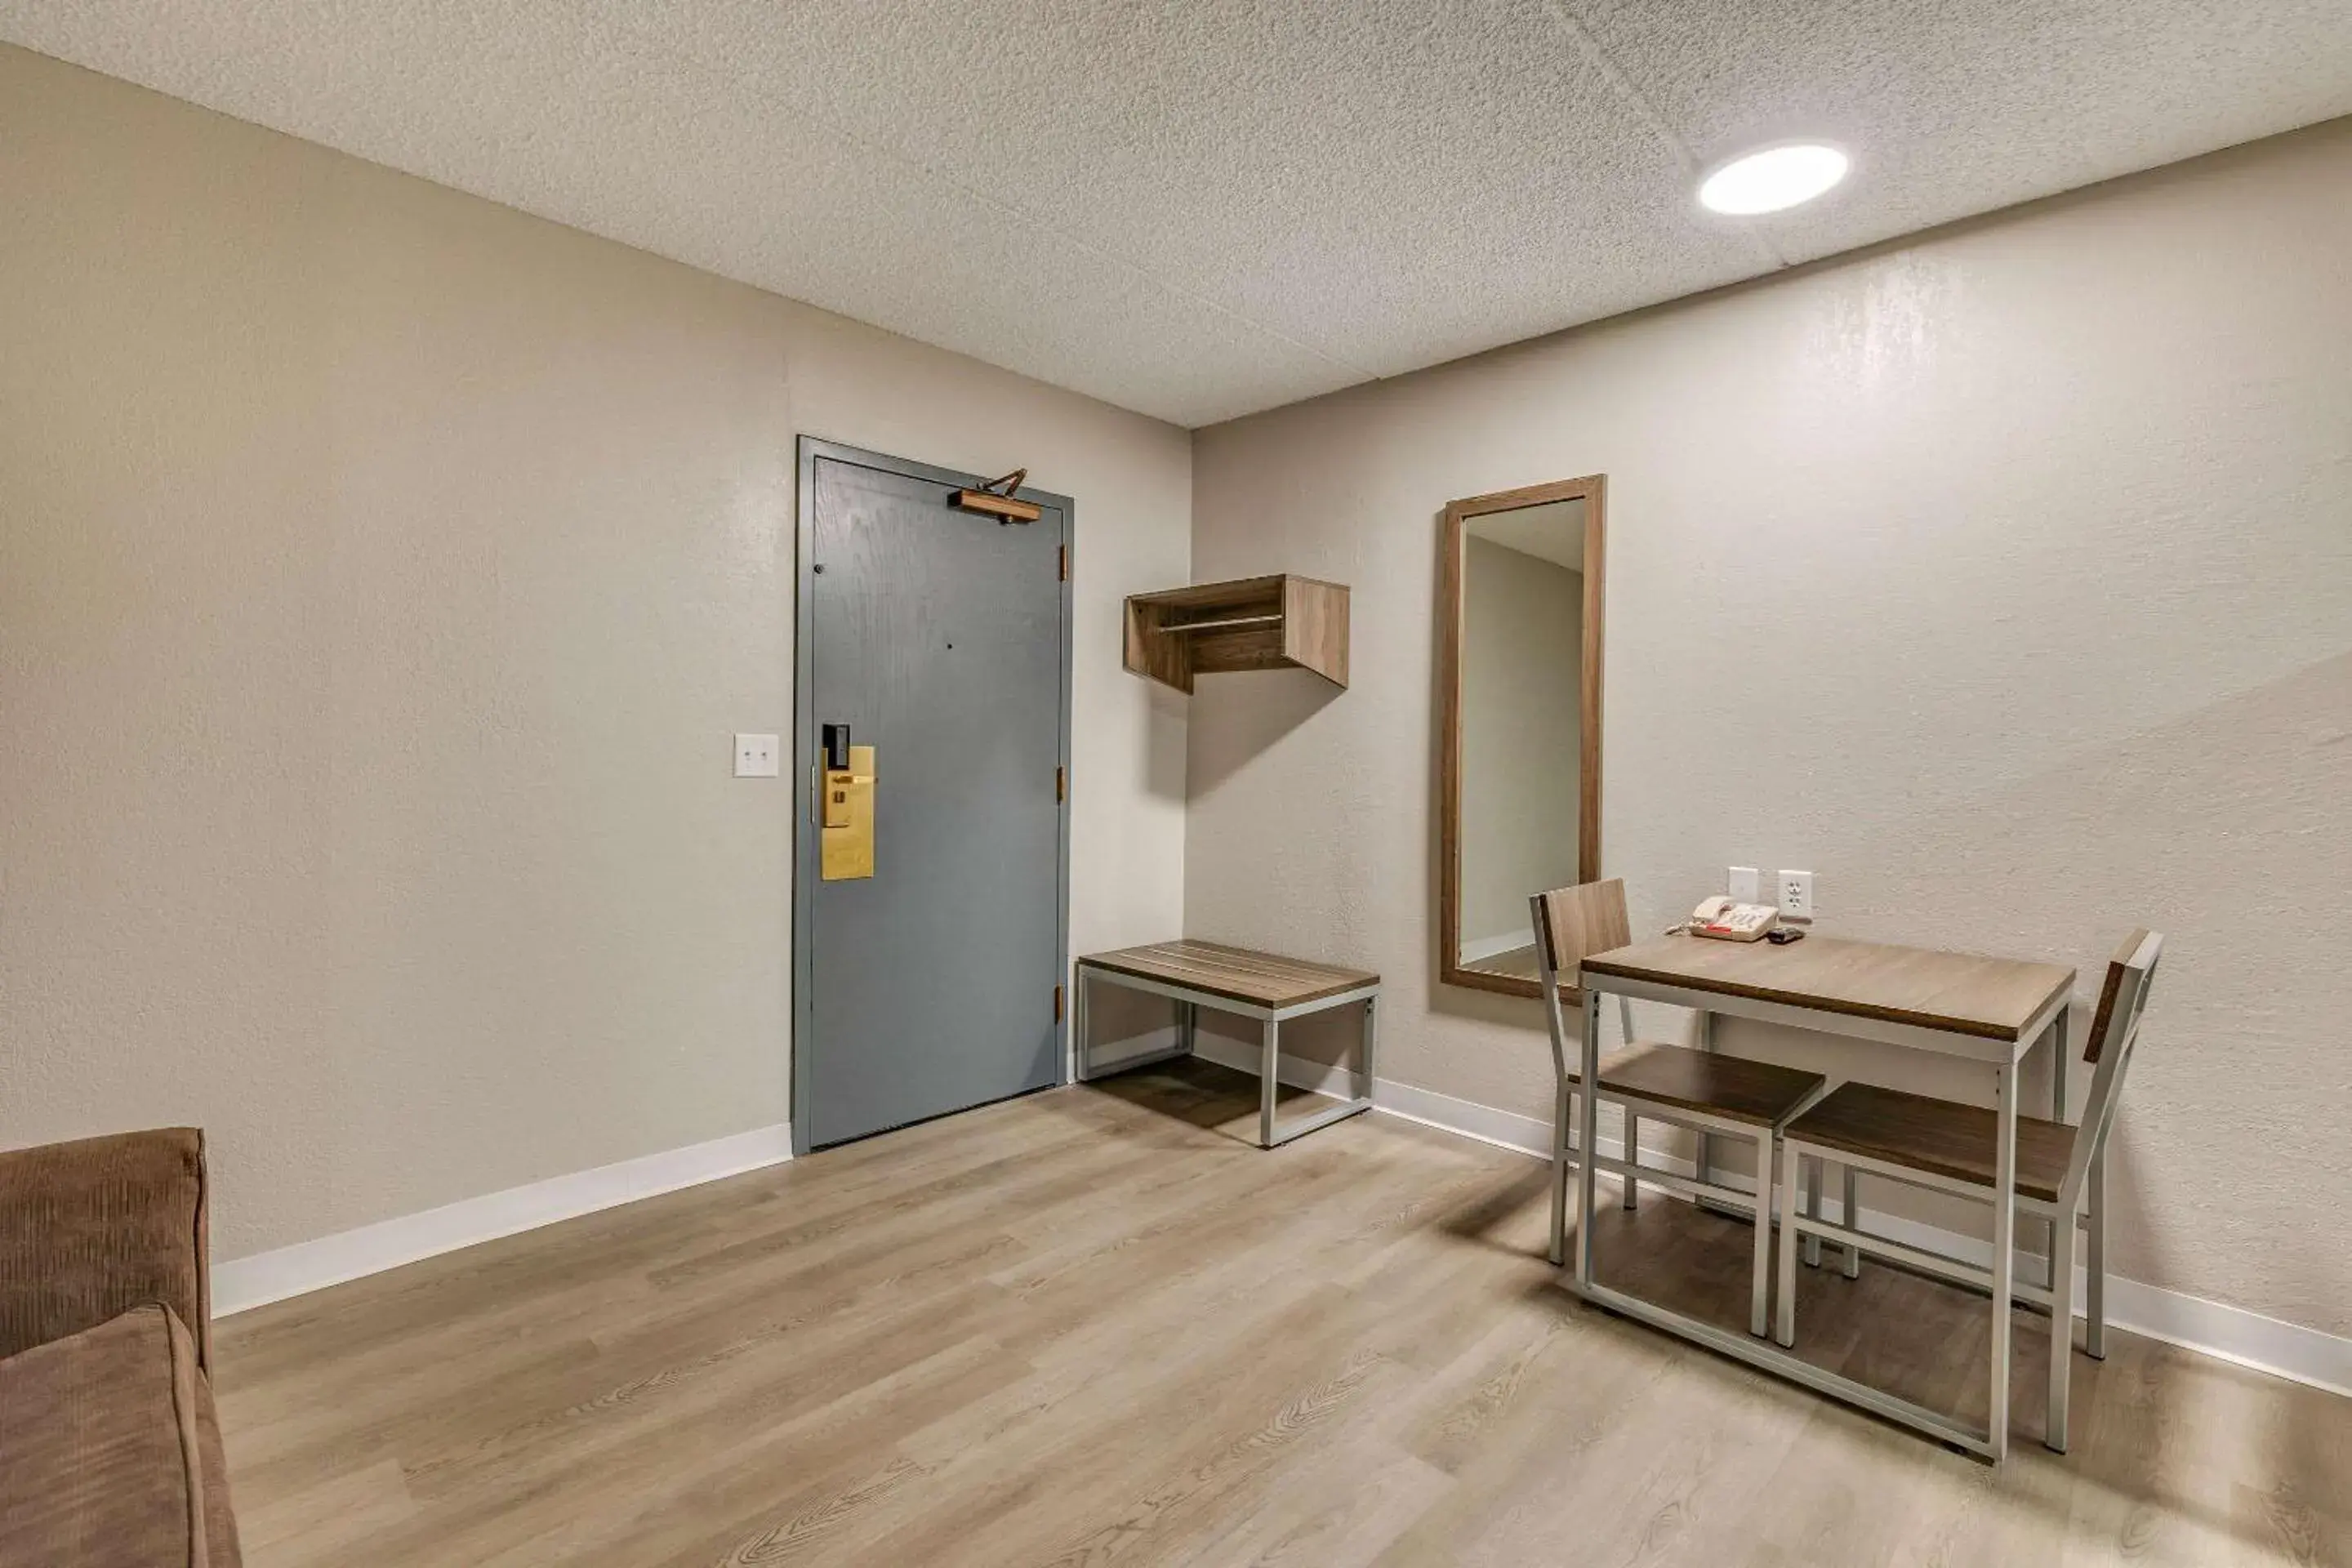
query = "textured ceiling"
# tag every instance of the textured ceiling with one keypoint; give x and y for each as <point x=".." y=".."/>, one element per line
<point x="1199" y="208"/>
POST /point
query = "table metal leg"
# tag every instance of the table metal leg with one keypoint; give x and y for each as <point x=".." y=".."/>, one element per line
<point x="2058" y="1064"/>
<point x="2059" y="1054"/>
<point x="1702" y="1159"/>
<point x="1188" y="1026"/>
<point x="1760" y="1272"/>
<point x="1785" y="1328"/>
<point x="1588" y="1135"/>
<point x="1631" y="1149"/>
<point x="2005" y="1256"/>
<point x="1078" y="1025"/>
<point x="1372" y="1043"/>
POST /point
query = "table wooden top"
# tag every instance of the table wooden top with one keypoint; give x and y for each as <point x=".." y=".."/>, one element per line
<point x="1262" y="979"/>
<point x="1961" y="993"/>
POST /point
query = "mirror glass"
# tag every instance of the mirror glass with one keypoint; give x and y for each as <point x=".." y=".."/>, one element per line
<point x="1520" y="823"/>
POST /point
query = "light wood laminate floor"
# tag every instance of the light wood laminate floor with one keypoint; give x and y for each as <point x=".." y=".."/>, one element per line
<point x="1095" y="1326"/>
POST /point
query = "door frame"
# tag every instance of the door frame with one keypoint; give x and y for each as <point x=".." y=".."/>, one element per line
<point x="804" y="747"/>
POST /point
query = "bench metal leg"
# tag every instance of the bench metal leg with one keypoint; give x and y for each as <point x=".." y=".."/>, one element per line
<point x="1269" y="1136"/>
<point x="1268" y="1083"/>
<point x="1078" y="1025"/>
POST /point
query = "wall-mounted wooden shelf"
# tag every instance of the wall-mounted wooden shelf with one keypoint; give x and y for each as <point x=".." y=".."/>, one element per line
<point x="1254" y="623"/>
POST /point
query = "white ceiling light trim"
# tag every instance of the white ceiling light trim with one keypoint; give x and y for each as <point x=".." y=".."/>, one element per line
<point x="1773" y="179"/>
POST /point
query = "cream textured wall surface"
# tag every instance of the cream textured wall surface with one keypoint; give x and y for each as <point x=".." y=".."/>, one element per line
<point x="1522" y="643"/>
<point x="382" y="573"/>
<point x="2017" y="564"/>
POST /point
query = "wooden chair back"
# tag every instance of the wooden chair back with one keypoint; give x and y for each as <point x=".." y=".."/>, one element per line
<point x="1570" y="922"/>
<point x="2114" y="1031"/>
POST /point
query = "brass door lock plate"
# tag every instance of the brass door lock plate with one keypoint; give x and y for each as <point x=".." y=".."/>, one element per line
<point x="845" y="838"/>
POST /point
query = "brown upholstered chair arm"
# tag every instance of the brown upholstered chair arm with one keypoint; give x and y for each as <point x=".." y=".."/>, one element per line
<point x="92" y="1228"/>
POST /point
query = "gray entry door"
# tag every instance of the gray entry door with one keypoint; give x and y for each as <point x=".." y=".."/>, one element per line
<point x="939" y="635"/>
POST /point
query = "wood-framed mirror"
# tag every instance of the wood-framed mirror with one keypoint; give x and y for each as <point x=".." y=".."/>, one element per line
<point x="1518" y="723"/>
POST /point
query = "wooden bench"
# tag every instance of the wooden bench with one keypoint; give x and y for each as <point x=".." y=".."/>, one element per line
<point x="1261" y="986"/>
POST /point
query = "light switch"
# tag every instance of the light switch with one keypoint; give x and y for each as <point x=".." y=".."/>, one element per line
<point x="1796" y="895"/>
<point x="1747" y="885"/>
<point x="756" y="756"/>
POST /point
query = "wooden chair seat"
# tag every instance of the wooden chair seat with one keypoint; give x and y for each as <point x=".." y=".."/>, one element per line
<point x="1756" y="1093"/>
<point x="1940" y="1137"/>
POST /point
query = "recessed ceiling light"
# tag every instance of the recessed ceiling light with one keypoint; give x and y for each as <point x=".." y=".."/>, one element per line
<point x="1771" y="178"/>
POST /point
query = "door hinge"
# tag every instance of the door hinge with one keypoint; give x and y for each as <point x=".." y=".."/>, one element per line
<point x="1057" y="1003"/>
<point x="1061" y="786"/>
<point x="1062" y="568"/>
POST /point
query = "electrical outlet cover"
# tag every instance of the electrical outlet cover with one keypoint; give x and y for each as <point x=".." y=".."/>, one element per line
<point x="1795" y="889"/>
<point x="1746" y="885"/>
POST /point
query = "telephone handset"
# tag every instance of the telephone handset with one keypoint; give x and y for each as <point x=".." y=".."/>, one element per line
<point x="1726" y="921"/>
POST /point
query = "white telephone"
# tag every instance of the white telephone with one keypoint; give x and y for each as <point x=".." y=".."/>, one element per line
<point x="1726" y="922"/>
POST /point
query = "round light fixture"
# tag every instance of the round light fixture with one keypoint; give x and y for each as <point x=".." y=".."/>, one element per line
<point x="1771" y="178"/>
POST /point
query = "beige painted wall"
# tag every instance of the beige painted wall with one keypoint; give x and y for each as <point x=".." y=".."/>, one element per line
<point x="2016" y="563"/>
<point x="382" y="573"/>
<point x="1522" y="645"/>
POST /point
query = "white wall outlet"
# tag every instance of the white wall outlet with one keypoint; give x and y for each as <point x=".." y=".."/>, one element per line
<point x="1747" y="885"/>
<point x="756" y="756"/>
<point x="1796" y="895"/>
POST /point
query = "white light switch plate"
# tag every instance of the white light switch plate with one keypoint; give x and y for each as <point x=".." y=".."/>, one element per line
<point x="1747" y="885"/>
<point x="1796" y="895"/>
<point x="756" y="756"/>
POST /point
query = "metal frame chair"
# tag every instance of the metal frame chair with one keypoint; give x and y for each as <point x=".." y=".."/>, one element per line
<point x="1727" y="1096"/>
<point x="2080" y="1191"/>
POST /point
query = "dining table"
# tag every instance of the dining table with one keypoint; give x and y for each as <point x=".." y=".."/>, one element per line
<point x="1985" y="1011"/>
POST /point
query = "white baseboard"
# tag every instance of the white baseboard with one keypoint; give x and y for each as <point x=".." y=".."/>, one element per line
<point x="1504" y="1129"/>
<point x="1101" y="1060"/>
<point x="2230" y="1333"/>
<point x="2233" y="1334"/>
<point x="242" y="1283"/>
<point x="1490" y="946"/>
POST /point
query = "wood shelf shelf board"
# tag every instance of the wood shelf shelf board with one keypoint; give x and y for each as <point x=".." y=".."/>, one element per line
<point x="1280" y="622"/>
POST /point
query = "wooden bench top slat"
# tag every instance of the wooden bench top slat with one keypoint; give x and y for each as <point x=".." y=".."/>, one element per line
<point x="1238" y="973"/>
<point x="1991" y="998"/>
